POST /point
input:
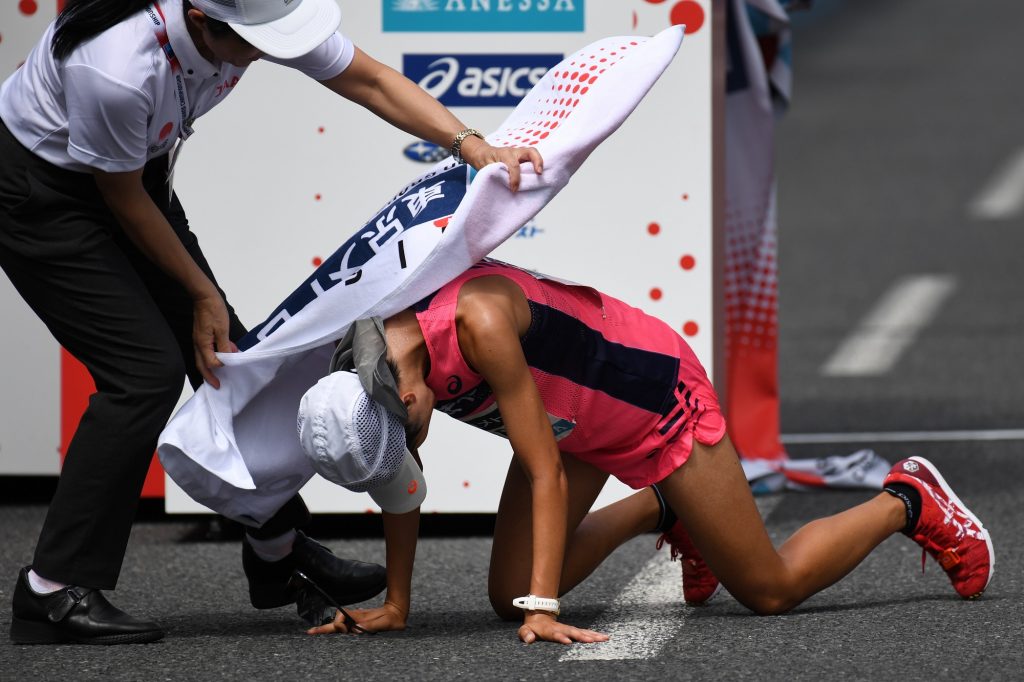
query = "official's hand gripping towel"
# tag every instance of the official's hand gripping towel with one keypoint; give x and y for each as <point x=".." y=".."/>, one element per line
<point x="235" y="450"/>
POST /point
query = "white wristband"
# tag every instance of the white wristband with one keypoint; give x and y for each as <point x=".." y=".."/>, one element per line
<point x="532" y="602"/>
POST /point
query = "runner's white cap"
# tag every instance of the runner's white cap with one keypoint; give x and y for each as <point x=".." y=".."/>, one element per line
<point x="356" y="442"/>
<point x="279" y="28"/>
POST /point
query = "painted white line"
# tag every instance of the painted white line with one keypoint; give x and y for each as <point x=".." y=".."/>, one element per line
<point x="1003" y="196"/>
<point x="641" y="633"/>
<point x="890" y="327"/>
<point x="653" y="601"/>
<point x="904" y="436"/>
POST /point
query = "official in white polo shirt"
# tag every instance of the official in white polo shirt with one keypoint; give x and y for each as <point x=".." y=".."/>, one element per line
<point x="98" y="245"/>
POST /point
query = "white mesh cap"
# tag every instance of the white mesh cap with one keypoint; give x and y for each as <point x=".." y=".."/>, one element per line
<point x="279" y="28"/>
<point x="357" y="443"/>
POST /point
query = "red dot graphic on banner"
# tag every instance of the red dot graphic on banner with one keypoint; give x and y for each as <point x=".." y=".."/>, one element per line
<point x="656" y="294"/>
<point x="691" y="328"/>
<point x="317" y="261"/>
<point x="687" y="262"/>
<point x="166" y="130"/>
<point x="655" y="2"/>
<point x="653" y="229"/>
<point x="28" y="7"/>
<point x="320" y="130"/>
<point x="465" y="484"/>
<point x="317" y="196"/>
<point x="686" y="197"/>
<point x="689" y="13"/>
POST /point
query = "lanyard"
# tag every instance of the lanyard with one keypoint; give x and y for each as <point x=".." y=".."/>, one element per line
<point x="180" y="93"/>
<point x="185" y="113"/>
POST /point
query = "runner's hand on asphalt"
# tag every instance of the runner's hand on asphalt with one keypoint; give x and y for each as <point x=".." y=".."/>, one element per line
<point x="544" y="627"/>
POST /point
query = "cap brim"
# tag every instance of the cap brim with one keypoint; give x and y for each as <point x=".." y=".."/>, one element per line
<point x="299" y="32"/>
<point x="405" y="492"/>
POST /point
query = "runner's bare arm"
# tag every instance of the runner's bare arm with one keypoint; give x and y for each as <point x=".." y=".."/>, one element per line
<point x="401" y="532"/>
<point x="490" y="319"/>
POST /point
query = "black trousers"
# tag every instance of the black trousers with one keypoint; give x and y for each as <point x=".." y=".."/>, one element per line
<point x="128" y="323"/>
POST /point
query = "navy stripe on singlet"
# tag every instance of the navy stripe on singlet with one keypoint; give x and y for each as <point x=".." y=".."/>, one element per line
<point x="563" y="346"/>
<point x="466" y="403"/>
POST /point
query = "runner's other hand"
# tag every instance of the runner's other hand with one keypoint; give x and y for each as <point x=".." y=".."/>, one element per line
<point x="380" y="619"/>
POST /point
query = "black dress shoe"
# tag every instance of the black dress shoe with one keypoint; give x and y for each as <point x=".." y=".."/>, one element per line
<point x="74" y="614"/>
<point x="345" y="580"/>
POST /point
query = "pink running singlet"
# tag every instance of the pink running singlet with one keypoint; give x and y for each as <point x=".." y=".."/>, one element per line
<point x="622" y="390"/>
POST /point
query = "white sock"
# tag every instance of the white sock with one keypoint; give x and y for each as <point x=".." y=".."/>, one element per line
<point x="41" y="585"/>
<point x="273" y="549"/>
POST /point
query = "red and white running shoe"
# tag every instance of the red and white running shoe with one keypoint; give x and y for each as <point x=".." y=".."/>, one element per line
<point x="946" y="528"/>
<point x="699" y="584"/>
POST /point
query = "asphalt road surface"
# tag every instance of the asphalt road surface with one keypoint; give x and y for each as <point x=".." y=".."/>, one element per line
<point x="901" y="190"/>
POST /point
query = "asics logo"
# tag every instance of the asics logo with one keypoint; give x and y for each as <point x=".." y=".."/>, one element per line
<point x="478" y="80"/>
<point x="911" y="466"/>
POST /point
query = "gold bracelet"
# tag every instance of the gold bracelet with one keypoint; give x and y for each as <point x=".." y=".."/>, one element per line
<point x="456" y="148"/>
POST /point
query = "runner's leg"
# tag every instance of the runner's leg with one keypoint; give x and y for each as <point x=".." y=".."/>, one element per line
<point x="711" y="496"/>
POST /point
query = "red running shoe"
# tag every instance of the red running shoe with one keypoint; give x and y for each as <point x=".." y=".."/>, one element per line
<point x="946" y="528"/>
<point x="699" y="584"/>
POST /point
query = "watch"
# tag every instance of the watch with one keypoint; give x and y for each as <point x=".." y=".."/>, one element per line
<point x="456" y="148"/>
<point x="532" y="602"/>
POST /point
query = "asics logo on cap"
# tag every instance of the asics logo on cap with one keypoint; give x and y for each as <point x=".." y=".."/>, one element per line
<point x="911" y="465"/>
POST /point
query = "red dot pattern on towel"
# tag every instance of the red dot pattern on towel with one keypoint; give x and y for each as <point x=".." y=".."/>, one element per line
<point x="567" y="85"/>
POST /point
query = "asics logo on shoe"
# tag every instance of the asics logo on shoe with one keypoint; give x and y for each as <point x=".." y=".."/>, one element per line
<point x="911" y="466"/>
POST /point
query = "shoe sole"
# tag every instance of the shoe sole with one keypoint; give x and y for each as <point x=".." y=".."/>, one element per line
<point x="953" y="496"/>
<point x="33" y="632"/>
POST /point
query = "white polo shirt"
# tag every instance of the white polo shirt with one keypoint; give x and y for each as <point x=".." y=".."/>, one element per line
<point x="111" y="104"/>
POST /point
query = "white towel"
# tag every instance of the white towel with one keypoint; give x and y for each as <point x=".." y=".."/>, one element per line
<point x="235" y="450"/>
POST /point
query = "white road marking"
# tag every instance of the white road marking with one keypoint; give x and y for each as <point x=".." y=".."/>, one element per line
<point x="890" y="327"/>
<point x="637" y="626"/>
<point x="904" y="436"/>
<point x="1003" y="196"/>
<point x="648" y="612"/>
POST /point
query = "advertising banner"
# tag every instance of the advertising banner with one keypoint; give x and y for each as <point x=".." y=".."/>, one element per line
<point x="277" y="177"/>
